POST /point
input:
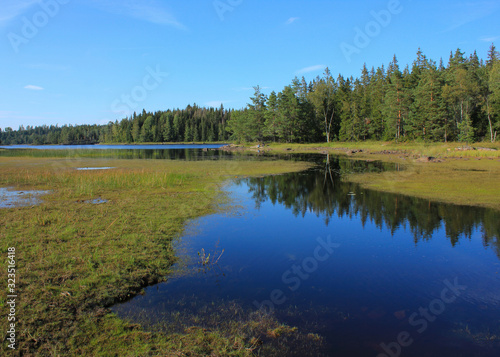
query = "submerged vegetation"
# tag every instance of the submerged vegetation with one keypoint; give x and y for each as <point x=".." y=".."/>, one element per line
<point x="76" y="258"/>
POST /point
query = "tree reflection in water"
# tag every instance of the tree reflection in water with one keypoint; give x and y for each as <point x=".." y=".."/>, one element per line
<point x="324" y="192"/>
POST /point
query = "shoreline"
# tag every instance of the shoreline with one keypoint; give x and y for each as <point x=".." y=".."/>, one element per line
<point x="439" y="172"/>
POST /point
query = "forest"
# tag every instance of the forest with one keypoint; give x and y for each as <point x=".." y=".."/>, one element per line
<point x="427" y="102"/>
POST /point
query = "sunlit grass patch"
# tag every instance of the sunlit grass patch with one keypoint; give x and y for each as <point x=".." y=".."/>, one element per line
<point x="473" y="182"/>
<point x="465" y="175"/>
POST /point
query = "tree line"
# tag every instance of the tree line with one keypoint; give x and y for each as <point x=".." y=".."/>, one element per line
<point x="193" y="124"/>
<point x="428" y="102"/>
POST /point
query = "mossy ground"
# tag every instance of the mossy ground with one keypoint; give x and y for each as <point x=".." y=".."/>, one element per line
<point x="74" y="259"/>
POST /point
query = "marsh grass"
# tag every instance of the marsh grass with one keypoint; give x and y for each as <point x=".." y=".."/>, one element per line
<point x="463" y="182"/>
<point x="440" y="150"/>
<point x="75" y="259"/>
<point x="253" y="332"/>
<point x="463" y="177"/>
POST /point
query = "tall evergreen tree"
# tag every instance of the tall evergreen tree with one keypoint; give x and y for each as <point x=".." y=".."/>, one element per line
<point x="494" y="84"/>
<point x="427" y="120"/>
<point x="394" y="102"/>
<point x="257" y="112"/>
<point x="272" y="121"/>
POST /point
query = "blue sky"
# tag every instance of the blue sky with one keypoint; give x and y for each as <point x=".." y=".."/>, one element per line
<point x="92" y="61"/>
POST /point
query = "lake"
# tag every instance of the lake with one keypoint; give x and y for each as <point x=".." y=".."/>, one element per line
<point x="191" y="152"/>
<point x="368" y="273"/>
<point x="114" y="147"/>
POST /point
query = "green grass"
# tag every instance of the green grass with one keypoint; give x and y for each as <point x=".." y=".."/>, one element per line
<point x="439" y="150"/>
<point x="75" y="259"/>
<point x="464" y="182"/>
<point x="464" y="177"/>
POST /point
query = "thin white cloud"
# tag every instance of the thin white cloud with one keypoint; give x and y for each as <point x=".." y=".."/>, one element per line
<point x="244" y="89"/>
<point x="490" y="39"/>
<point x="13" y="8"/>
<point x="318" y="67"/>
<point x="469" y="12"/>
<point x="48" y="67"/>
<point x="291" y="20"/>
<point x="32" y="87"/>
<point x="217" y="103"/>
<point x="152" y="11"/>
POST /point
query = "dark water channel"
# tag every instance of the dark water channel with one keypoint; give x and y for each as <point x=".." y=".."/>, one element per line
<point x="373" y="274"/>
<point x="160" y="152"/>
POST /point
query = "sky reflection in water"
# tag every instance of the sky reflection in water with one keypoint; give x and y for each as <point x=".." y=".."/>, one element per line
<point x="391" y="259"/>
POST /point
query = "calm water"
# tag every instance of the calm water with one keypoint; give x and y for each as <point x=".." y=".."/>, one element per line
<point x="160" y="152"/>
<point x="11" y="198"/>
<point x="360" y="268"/>
<point x="114" y="147"/>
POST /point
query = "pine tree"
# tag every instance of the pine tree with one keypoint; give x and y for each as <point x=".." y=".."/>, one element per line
<point x="257" y="111"/>
<point x="288" y="109"/>
<point x="178" y="128"/>
<point x="377" y="94"/>
<point x="493" y="56"/>
<point x="271" y="123"/>
<point x="394" y="102"/>
<point x="147" y="130"/>
<point x="428" y="117"/>
<point x="347" y="130"/>
<point x="461" y="93"/>
<point x="494" y="85"/>
<point x="168" y="130"/>
<point x="136" y="130"/>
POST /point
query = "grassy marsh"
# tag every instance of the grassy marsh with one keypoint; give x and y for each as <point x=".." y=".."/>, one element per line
<point x="417" y="149"/>
<point x="460" y="175"/>
<point x="75" y="258"/>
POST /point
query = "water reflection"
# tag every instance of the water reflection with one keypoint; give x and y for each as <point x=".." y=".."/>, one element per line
<point x="393" y="255"/>
<point x="323" y="192"/>
<point x="128" y="152"/>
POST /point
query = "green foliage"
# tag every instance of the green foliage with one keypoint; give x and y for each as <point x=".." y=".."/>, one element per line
<point x="427" y="102"/>
<point x="190" y="124"/>
<point x="494" y="84"/>
<point x="323" y="100"/>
